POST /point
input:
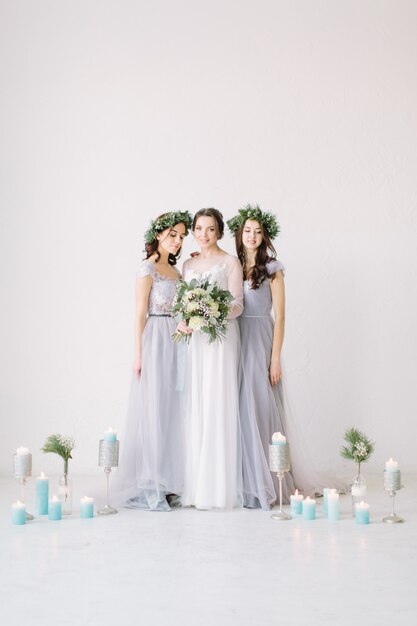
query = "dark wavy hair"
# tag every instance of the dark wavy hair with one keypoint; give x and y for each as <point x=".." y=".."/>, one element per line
<point x="215" y="214"/>
<point x="152" y="248"/>
<point x="264" y="254"/>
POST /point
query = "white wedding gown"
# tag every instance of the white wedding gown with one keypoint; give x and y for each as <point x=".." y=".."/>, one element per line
<point x="212" y="446"/>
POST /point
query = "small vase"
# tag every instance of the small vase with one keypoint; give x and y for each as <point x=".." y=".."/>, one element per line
<point x="65" y="493"/>
<point x="358" y="489"/>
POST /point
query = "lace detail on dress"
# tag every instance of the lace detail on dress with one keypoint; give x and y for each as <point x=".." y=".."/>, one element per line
<point x="162" y="291"/>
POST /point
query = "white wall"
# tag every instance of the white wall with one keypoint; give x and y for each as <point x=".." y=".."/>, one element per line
<point x="112" y="112"/>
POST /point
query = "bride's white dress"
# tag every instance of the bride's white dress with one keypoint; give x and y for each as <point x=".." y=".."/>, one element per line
<point x="212" y="447"/>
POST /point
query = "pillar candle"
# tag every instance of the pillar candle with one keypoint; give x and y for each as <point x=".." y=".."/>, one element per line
<point x="296" y="500"/>
<point x="86" y="507"/>
<point x="55" y="509"/>
<point x="279" y="438"/>
<point x="333" y="508"/>
<point x="362" y="513"/>
<point x="309" y="508"/>
<point x="326" y="491"/>
<point x="18" y="513"/>
<point x="42" y="494"/>
<point x="110" y="435"/>
<point x="391" y="466"/>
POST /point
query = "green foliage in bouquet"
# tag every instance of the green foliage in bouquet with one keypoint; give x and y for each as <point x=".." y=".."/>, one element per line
<point x="359" y="448"/>
<point x="204" y="306"/>
<point x="63" y="446"/>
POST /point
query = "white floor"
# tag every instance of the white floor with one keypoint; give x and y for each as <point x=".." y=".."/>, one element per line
<point x="195" y="567"/>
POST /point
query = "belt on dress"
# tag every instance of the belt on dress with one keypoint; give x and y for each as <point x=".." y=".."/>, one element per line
<point x="255" y="316"/>
<point x="159" y="315"/>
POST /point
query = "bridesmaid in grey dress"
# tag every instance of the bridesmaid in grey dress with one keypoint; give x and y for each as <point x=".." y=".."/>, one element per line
<point x="261" y="398"/>
<point x="152" y="449"/>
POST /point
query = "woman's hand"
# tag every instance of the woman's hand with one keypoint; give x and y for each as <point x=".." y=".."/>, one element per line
<point x="183" y="328"/>
<point x="275" y="371"/>
<point x="137" y="365"/>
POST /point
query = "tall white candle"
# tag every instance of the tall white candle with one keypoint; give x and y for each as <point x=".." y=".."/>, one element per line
<point x="333" y="505"/>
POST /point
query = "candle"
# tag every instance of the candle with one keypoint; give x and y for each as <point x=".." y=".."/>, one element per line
<point x="22" y="463"/>
<point x="296" y="500"/>
<point x="42" y="494"/>
<point x="309" y="508"/>
<point x="86" y="507"/>
<point x="21" y="451"/>
<point x="333" y="505"/>
<point x="55" y="509"/>
<point x="110" y="435"/>
<point x="326" y="491"/>
<point x="362" y="513"/>
<point x="18" y="513"/>
<point x="279" y="438"/>
<point x="391" y="465"/>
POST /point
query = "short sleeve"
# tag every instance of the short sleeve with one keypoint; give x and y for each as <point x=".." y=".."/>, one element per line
<point x="275" y="266"/>
<point x="145" y="269"/>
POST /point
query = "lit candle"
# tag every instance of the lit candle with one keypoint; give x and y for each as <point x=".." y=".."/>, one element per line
<point x="55" y="509"/>
<point x="86" y="507"/>
<point x="18" y="513"/>
<point x="391" y="466"/>
<point x="110" y="435"/>
<point x="296" y="500"/>
<point x="42" y="494"/>
<point x="309" y="508"/>
<point x="279" y="438"/>
<point x="21" y="451"/>
<point x="22" y="462"/>
<point x="362" y="513"/>
<point x="333" y="505"/>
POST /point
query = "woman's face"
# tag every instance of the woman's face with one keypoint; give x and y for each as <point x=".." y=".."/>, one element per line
<point x="252" y="235"/>
<point x="205" y="231"/>
<point x="171" y="239"/>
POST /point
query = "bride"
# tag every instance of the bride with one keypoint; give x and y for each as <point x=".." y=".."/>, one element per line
<point x="212" y="469"/>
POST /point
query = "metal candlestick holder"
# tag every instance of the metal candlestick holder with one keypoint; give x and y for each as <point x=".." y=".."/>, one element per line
<point x="22" y="469"/>
<point x="279" y="462"/>
<point x="108" y="457"/>
<point x="392" y="484"/>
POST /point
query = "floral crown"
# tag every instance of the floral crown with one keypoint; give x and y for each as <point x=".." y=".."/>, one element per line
<point x="249" y="212"/>
<point x="168" y="220"/>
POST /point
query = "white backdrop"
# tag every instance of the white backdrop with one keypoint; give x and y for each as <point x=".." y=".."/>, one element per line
<point x="113" y="112"/>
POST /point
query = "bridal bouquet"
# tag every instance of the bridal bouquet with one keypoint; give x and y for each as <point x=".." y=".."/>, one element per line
<point x="203" y="306"/>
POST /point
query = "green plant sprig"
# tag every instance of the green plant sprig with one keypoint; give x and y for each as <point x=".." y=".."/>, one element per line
<point x="63" y="446"/>
<point x="359" y="447"/>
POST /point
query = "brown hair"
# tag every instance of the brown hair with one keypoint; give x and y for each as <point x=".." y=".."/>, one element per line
<point x="215" y="214"/>
<point x="264" y="254"/>
<point x="152" y="247"/>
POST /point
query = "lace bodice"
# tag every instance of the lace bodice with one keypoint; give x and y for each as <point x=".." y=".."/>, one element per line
<point x="162" y="291"/>
<point x="225" y="270"/>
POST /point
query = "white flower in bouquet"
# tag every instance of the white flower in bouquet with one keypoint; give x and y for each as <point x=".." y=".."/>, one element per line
<point x="204" y="306"/>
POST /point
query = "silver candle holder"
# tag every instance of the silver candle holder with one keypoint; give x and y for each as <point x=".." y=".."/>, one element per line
<point x="279" y="462"/>
<point x="392" y="484"/>
<point x="22" y="469"/>
<point x="108" y="457"/>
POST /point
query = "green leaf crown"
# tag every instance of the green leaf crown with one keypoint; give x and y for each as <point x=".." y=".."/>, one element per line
<point x="267" y="220"/>
<point x="168" y="220"/>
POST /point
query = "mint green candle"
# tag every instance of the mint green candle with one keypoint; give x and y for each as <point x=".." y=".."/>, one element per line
<point x="296" y="501"/>
<point x="309" y="508"/>
<point x="86" y="507"/>
<point x="110" y="435"/>
<point x="362" y="513"/>
<point x="18" y="513"/>
<point x="42" y="494"/>
<point x="55" y="509"/>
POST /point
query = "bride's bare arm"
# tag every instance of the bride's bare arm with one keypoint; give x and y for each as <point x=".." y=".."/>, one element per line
<point x="235" y="285"/>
